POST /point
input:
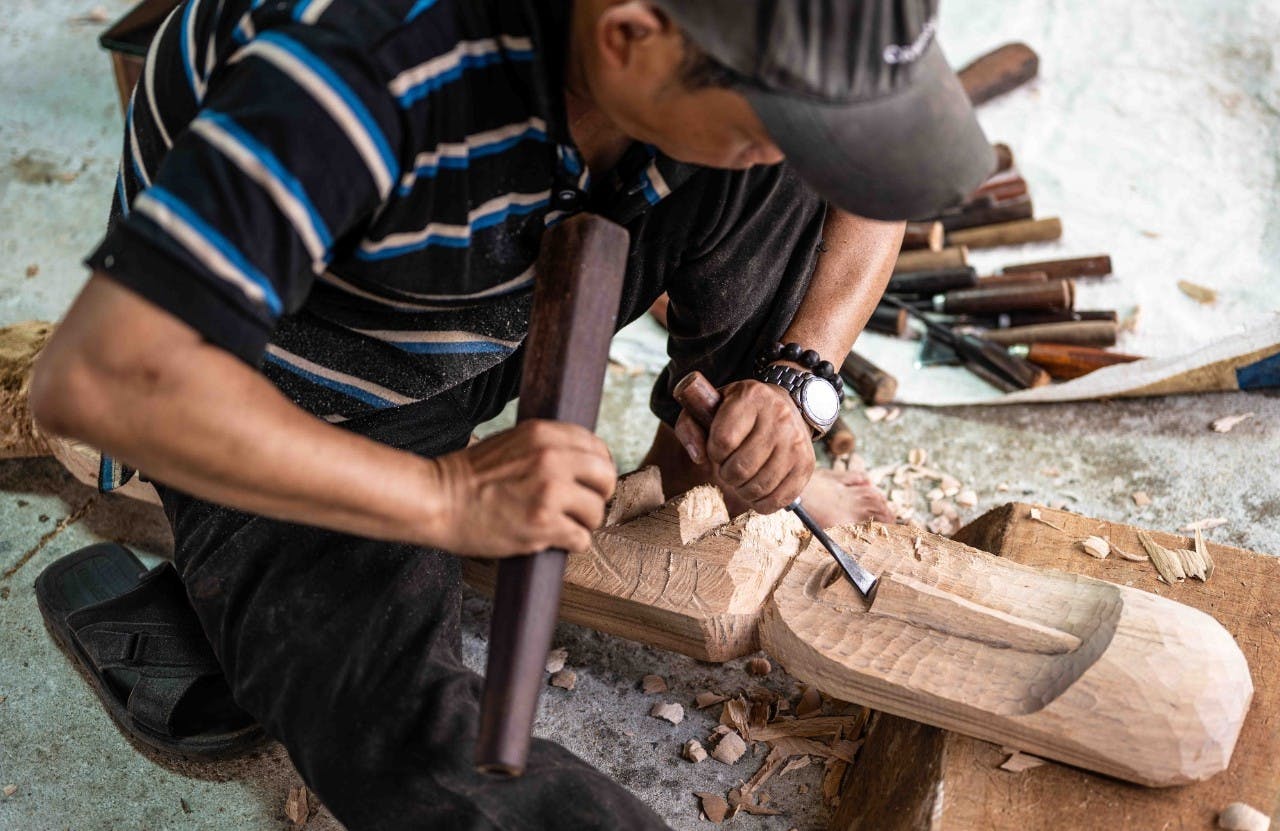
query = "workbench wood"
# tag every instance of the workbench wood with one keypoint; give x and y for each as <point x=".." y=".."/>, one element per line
<point x="911" y="777"/>
<point x="684" y="577"/>
<point x="1155" y="692"/>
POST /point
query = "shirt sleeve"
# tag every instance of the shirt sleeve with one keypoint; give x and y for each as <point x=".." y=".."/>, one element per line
<point x="292" y="149"/>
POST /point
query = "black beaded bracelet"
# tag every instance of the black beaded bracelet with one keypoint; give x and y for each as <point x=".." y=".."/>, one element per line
<point x="808" y="358"/>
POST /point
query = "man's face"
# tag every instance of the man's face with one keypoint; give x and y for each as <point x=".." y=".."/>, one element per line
<point x="635" y="78"/>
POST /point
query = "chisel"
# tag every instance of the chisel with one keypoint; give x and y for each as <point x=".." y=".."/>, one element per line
<point x="701" y="400"/>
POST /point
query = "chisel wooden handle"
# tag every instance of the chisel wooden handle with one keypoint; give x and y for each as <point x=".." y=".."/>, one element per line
<point x="923" y="235"/>
<point x="1016" y="278"/>
<point x="580" y="270"/>
<point x="999" y="71"/>
<point x="1008" y="210"/>
<point x="840" y="439"/>
<point x="1007" y="233"/>
<point x="1064" y="361"/>
<point x="924" y="260"/>
<point x="1098" y="265"/>
<point x="974" y="350"/>
<point x="1052" y="295"/>
<point x="1079" y="333"/>
<point x="872" y="384"/>
<point x="888" y="320"/>
<point x="932" y="281"/>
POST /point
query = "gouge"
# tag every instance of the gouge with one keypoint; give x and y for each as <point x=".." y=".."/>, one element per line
<point x="701" y="400"/>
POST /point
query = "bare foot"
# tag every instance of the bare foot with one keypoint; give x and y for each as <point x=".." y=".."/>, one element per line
<point x="838" y="497"/>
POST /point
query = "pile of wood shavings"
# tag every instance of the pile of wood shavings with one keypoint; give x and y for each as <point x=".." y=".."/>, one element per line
<point x="904" y="484"/>
<point x="760" y="715"/>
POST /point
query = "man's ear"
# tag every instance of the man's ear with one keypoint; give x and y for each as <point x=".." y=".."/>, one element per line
<point x="624" y="29"/>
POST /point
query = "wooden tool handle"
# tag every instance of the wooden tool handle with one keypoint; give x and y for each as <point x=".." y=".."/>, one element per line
<point x="923" y="260"/>
<point x="698" y="397"/>
<point x="932" y="281"/>
<point x="888" y="320"/>
<point x="923" y="235"/>
<point x="999" y="71"/>
<point x="1004" y="156"/>
<point x="840" y="440"/>
<point x="872" y="384"/>
<point x="1022" y="373"/>
<point x="1098" y="265"/>
<point x="1007" y="233"/>
<point x="1008" y="210"/>
<point x="580" y="272"/>
<point x="1016" y="278"/>
<point x="1064" y="361"/>
<point x="1052" y="296"/>
<point x="1081" y="333"/>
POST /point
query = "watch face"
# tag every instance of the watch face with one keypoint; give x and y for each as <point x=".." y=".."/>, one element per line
<point x="820" y="400"/>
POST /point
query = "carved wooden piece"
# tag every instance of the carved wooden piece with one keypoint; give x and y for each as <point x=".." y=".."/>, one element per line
<point x="912" y="777"/>
<point x="1155" y="693"/>
<point x="682" y="577"/>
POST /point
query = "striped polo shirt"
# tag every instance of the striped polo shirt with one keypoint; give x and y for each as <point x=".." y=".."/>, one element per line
<point x="351" y="193"/>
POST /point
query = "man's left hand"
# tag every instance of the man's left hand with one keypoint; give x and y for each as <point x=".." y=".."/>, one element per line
<point x="759" y="447"/>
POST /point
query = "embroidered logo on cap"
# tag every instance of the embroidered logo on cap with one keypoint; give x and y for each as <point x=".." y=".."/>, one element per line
<point x="895" y="54"/>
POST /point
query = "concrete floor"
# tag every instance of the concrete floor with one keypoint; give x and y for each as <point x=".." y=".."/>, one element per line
<point x="73" y="770"/>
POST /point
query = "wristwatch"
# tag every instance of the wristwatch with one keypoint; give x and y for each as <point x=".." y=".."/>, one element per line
<point x="816" y="397"/>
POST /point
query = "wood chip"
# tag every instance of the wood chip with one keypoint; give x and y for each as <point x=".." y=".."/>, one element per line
<point x="916" y="547"/>
<point x="1141" y="499"/>
<point x="1241" y="817"/>
<point x="729" y="749"/>
<point x="714" y="806"/>
<point x="1096" y="547"/>
<point x="694" y="751"/>
<point x="938" y="506"/>
<point x="737" y="714"/>
<point x="875" y="414"/>
<point x="934" y="495"/>
<point x="917" y="456"/>
<point x="966" y="499"/>
<point x="1034" y="514"/>
<point x="34" y="269"/>
<point x="668" y="710"/>
<point x="707" y="698"/>
<point x="1003" y="487"/>
<point x="653" y="684"/>
<point x="810" y="703"/>
<point x="10" y="790"/>
<point x="1132" y="320"/>
<point x="832" y="780"/>
<point x="893" y="415"/>
<point x="942" y="525"/>
<point x="1167" y="562"/>
<point x="1136" y="558"/>
<point x="297" y="806"/>
<point x="565" y="679"/>
<point x="1224" y="424"/>
<point x="795" y="763"/>
<point x="1198" y="293"/>
<point x="1203" y="551"/>
<point x="1019" y="762"/>
<point x="759" y="666"/>
<point x="556" y="659"/>
<point x="1204" y="524"/>
<point x="182" y="803"/>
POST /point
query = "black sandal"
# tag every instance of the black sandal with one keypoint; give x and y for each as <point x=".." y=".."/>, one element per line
<point x="133" y="635"/>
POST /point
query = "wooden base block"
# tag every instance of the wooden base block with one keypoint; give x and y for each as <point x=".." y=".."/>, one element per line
<point x="912" y="777"/>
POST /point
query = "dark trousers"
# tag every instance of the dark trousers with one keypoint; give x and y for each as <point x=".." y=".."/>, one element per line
<point x="347" y="650"/>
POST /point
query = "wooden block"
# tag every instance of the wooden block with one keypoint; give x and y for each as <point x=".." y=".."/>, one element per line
<point x="684" y="578"/>
<point x="911" y="777"/>
<point x="1155" y="692"/>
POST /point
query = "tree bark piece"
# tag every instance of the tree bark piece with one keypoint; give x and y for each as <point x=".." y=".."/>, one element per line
<point x="911" y="777"/>
<point x="1155" y="693"/>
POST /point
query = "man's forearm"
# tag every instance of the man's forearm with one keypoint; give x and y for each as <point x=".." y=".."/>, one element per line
<point x="848" y="281"/>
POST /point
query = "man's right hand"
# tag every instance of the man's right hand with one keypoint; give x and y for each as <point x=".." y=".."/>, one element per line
<point x="541" y="484"/>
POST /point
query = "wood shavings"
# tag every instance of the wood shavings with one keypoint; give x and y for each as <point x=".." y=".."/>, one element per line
<point x="832" y="780"/>
<point x="1135" y="558"/>
<point x="893" y="415"/>
<point x="736" y="714"/>
<point x="1198" y="293"/>
<point x="1224" y="424"/>
<point x="875" y="414"/>
<point x="1167" y="562"/>
<point x="668" y="711"/>
<point x="795" y="763"/>
<point x="818" y="726"/>
<point x="10" y="790"/>
<point x="966" y="499"/>
<point x="1034" y="514"/>
<point x="1193" y="564"/>
<point x="1202" y="551"/>
<point x="1003" y="487"/>
<point x="34" y="269"/>
<point x="1241" y="817"/>
<point x="1204" y="524"/>
<point x="565" y="679"/>
<point x="729" y="749"/>
<point x="714" y="806"/>
<point x="1052" y="472"/>
<point x="182" y="803"/>
<point x="297" y="806"/>
<point x="759" y="666"/>
<point x="1132" y="320"/>
<point x="917" y="455"/>
<point x="944" y="526"/>
<point x="1141" y="499"/>
<point x="938" y="507"/>
<point x="694" y="751"/>
<point x="707" y="698"/>
<point x="810" y="703"/>
<point x="934" y="495"/>
<point x="1020" y="761"/>
<point x="916" y="547"/>
<point x="1096" y="547"/>
<point x="653" y="684"/>
<point x="556" y="659"/>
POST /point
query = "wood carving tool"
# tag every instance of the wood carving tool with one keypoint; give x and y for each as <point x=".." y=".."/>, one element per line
<point x="1081" y="333"/>
<point x="1004" y="156"/>
<point x="888" y="320"/>
<point x="981" y="352"/>
<point x="872" y="384"/>
<point x="1049" y="296"/>
<point x="701" y="400"/>
<point x="1007" y="233"/>
<point x="1002" y="210"/>
<point x="1095" y="266"/>
<point x="999" y="71"/>
<point x="1017" y="278"/>
<point x="924" y="260"/>
<point x="932" y="281"/>
<point x="840" y="440"/>
<point x="580" y="270"/>
<point x="1071" y="316"/>
<point x="923" y="235"/>
<point x="1064" y="361"/>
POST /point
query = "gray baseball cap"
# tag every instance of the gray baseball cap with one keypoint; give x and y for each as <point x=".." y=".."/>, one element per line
<point x="856" y="93"/>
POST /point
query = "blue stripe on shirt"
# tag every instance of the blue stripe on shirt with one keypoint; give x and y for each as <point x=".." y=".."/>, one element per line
<point x="428" y="171"/>
<point x="221" y="243"/>
<point x="338" y="386"/>
<point x="477" y="347"/>
<point x="418" y="8"/>
<point x="188" y="60"/>
<point x="427" y="86"/>
<point x="445" y="241"/>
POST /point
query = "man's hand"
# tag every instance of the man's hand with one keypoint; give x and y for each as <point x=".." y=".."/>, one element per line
<point x="542" y="484"/>
<point x="759" y="447"/>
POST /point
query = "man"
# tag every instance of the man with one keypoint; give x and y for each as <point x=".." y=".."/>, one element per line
<point x="315" y="283"/>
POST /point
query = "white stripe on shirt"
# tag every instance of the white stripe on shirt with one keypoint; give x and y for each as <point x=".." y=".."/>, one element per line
<point x="149" y="78"/>
<point x="439" y="65"/>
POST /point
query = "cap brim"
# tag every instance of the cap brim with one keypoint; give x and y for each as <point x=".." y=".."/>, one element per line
<point x="910" y="154"/>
